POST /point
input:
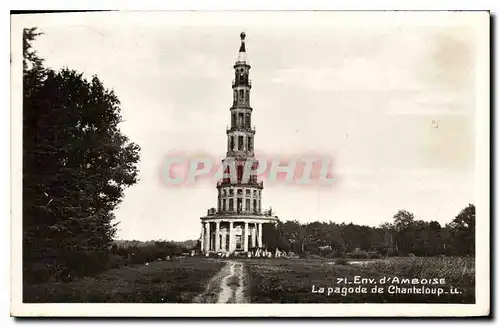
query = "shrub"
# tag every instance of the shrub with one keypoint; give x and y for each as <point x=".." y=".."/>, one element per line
<point x="83" y="263"/>
<point x="334" y="254"/>
<point x="391" y="252"/>
<point x="37" y="272"/>
<point x="116" y="261"/>
<point x="138" y="254"/>
<point x="358" y="255"/>
<point x="374" y="255"/>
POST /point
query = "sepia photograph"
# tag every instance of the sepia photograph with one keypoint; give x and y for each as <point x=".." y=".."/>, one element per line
<point x="166" y="163"/>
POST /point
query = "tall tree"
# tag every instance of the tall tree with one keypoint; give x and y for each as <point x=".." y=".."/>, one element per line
<point x="403" y="220"/>
<point x="462" y="230"/>
<point x="76" y="166"/>
<point x="33" y="70"/>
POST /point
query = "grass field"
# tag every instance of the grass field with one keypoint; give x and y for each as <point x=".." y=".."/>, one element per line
<point x="291" y="281"/>
<point x="269" y="281"/>
<point x="160" y="281"/>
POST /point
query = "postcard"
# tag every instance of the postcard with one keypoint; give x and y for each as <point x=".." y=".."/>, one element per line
<point x="292" y="163"/>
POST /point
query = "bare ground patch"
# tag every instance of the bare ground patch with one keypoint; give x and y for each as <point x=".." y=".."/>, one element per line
<point x="214" y="287"/>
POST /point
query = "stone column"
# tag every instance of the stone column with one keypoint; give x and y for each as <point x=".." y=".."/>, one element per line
<point x="217" y="236"/>
<point x="254" y="235"/>
<point x="207" y="237"/>
<point x="202" y="240"/>
<point x="259" y="243"/>
<point x="224" y="245"/>
<point x="245" y="238"/>
<point x="231" y="237"/>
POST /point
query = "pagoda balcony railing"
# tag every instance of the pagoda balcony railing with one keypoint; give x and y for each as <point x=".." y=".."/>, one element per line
<point x="249" y="183"/>
<point x="239" y="212"/>
<point x="265" y="213"/>
<point x="239" y="127"/>
<point x="249" y="83"/>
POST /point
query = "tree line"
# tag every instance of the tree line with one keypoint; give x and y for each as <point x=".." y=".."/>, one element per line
<point x="404" y="235"/>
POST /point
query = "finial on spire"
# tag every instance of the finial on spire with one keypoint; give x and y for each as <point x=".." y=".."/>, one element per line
<point x="242" y="47"/>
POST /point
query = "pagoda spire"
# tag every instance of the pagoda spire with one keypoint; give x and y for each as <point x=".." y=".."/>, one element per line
<point x="242" y="46"/>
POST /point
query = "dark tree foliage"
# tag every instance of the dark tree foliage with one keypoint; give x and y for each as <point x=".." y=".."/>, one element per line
<point x="136" y="252"/>
<point x="76" y="165"/>
<point x="462" y="231"/>
<point x="403" y="236"/>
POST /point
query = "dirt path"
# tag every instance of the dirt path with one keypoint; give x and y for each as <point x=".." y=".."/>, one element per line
<point x="232" y="285"/>
<point x="225" y="287"/>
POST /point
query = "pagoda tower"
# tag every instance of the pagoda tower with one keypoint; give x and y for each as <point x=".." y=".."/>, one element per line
<point x="236" y="223"/>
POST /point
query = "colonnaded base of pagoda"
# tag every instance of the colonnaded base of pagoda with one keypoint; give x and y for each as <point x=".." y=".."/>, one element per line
<point x="223" y="233"/>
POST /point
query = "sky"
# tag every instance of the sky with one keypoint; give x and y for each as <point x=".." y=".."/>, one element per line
<point x="390" y="97"/>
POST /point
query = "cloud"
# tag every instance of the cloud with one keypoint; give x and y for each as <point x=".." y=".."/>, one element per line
<point x="195" y="65"/>
<point x="405" y="180"/>
<point x="353" y="74"/>
<point x="434" y="102"/>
